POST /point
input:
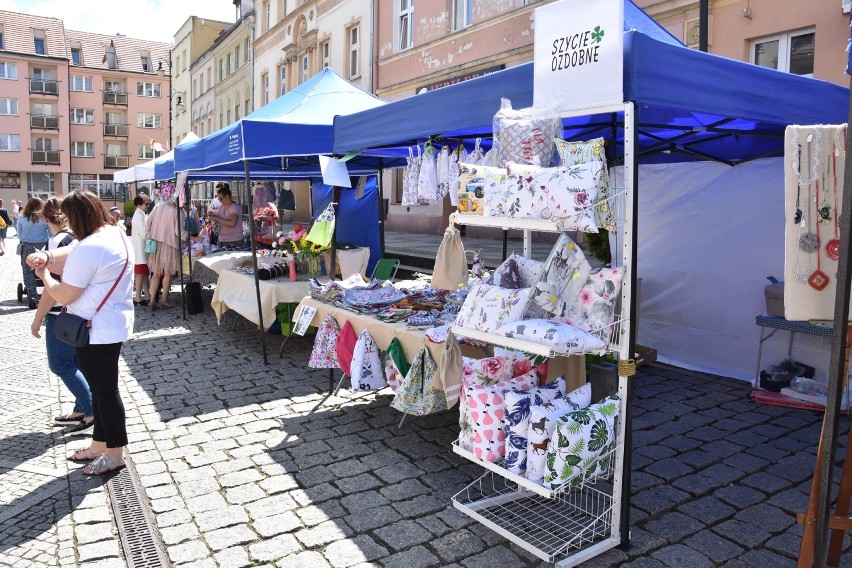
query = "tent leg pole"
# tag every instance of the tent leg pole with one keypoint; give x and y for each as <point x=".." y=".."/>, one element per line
<point x="380" y="192"/>
<point x="254" y="263"/>
<point x="180" y="262"/>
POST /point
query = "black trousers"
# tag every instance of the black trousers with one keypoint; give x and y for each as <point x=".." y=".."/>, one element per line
<point x="99" y="364"/>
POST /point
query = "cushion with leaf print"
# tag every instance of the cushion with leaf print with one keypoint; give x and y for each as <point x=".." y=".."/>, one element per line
<point x="561" y="337"/>
<point x="571" y="153"/>
<point x="564" y="274"/>
<point x="565" y="194"/>
<point x="595" y="305"/>
<point x="542" y="423"/>
<point x="517" y="420"/>
<point x="581" y="446"/>
<point x="487" y="307"/>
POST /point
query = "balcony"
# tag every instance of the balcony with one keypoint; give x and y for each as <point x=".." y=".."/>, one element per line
<point x="44" y="87"/>
<point x="45" y="157"/>
<point x="111" y="98"/>
<point x="122" y="130"/>
<point x="44" y="121"/>
<point x="117" y="162"/>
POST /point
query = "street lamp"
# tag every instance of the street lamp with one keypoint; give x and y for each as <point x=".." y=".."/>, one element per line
<point x="174" y="95"/>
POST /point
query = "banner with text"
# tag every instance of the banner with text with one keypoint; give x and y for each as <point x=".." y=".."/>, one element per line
<point x="579" y="54"/>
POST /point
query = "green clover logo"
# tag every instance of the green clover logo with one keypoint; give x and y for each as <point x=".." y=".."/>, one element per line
<point x="597" y="34"/>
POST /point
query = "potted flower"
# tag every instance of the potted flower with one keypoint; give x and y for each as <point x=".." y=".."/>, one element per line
<point x="306" y="253"/>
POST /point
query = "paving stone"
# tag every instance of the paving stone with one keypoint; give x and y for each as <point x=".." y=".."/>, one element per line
<point x="668" y="469"/>
<point x="766" y="517"/>
<point x="203" y="503"/>
<point x="358" y="483"/>
<point x="739" y="496"/>
<point x="746" y="535"/>
<point x="457" y="546"/>
<point x="362" y="501"/>
<point x="345" y="553"/>
<point x="276" y="524"/>
<point x="232" y="558"/>
<point x="680" y="555"/>
<point x="272" y="505"/>
<point x="273" y="548"/>
<point x="323" y="534"/>
<point x="764" y="559"/>
<point x="179" y="533"/>
<point x="308" y="559"/>
<point x="403" y="534"/>
<point x="673" y="526"/>
<point x="314" y="515"/>
<point x="434" y="525"/>
<point x="372" y="518"/>
<point x="244" y="494"/>
<point x="420" y="506"/>
<point x="217" y="519"/>
<point x="315" y="476"/>
<point x="86" y="534"/>
<point x="404" y="490"/>
<point x="415" y="557"/>
<point x="187" y="552"/>
<point x="713" y="546"/>
<point x="708" y="510"/>
<point x="221" y="539"/>
<point x="497" y="556"/>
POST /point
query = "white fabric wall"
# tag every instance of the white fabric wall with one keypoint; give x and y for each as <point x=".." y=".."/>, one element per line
<point x="709" y="235"/>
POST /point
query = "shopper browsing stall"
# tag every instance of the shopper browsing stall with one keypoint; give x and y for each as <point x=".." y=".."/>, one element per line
<point x="229" y="215"/>
<point x="138" y="236"/>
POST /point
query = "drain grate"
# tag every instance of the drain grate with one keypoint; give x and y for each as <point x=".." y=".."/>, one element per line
<point x="139" y="537"/>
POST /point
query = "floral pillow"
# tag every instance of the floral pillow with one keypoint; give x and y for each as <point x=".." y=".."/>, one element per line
<point x="572" y="153"/>
<point x="367" y="370"/>
<point x="562" y="279"/>
<point x="528" y="269"/>
<point x="595" y="305"/>
<point x="488" y="307"/>
<point x="476" y="183"/>
<point x="542" y="423"/>
<point x="517" y="419"/>
<point x="323" y="355"/>
<point x="506" y="275"/>
<point x="561" y="337"/>
<point x="485" y="408"/>
<point x="566" y="194"/>
<point x="581" y="446"/>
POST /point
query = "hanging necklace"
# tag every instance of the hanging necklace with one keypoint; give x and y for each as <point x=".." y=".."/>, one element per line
<point x="832" y="247"/>
<point x="814" y="160"/>
<point x="808" y="241"/>
<point x="797" y="216"/>
<point x="819" y="279"/>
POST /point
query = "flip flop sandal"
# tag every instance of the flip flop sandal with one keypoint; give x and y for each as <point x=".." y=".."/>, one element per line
<point x="103" y="465"/>
<point x="83" y="455"/>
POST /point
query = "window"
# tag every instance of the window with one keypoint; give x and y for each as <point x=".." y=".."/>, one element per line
<point x="265" y="80"/>
<point x="42" y="109"/>
<point x="209" y="79"/>
<point x="42" y="74"/>
<point x="221" y="116"/>
<point x="326" y="54"/>
<point x="114" y="150"/>
<point x="462" y="14"/>
<point x="246" y="48"/>
<point x="148" y="120"/>
<point x="183" y="60"/>
<point x="228" y="65"/>
<point x="75" y="56"/>
<point x="81" y="83"/>
<point x="82" y="149"/>
<point x="236" y="57"/>
<point x="228" y="111"/>
<point x="304" y="68"/>
<point x="210" y="125"/>
<point x="405" y="24"/>
<point x="8" y="70"/>
<point x="43" y="144"/>
<point x="354" y="69"/>
<point x="236" y="109"/>
<point x="40" y="185"/>
<point x="113" y="118"/>
<point x="39" y="45"/>
<point x="282" y="79"/>
<point x="112" y="86"/>
<point x="221" y="70"/>
<point x="282" y="9"/>
<point x="9" y="106"/>
<point x="266" y="16"/>
<point x="1" y="40"/>
<point x="145" y="152"/>
<point x="148" y="89"/>
<point x="82" y="116"/>
<point x="146" y="64"/>
<point x="246" y="104"/>
<point x="10" y="143"/>
<point x="793" y="52"/>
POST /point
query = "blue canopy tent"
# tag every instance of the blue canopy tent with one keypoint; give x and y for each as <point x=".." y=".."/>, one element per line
<point x="284" y="139"/>
<point x="688" y="106"/>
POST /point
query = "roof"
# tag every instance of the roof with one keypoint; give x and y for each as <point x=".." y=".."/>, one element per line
<point x="128" y="51"/>
<point x="18" y="34"/>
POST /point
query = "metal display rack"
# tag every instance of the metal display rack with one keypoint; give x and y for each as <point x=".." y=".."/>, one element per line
<point x="568" y="525"/>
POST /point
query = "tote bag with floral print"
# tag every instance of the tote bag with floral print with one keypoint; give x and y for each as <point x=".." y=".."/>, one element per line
<point x="417" y="396"/>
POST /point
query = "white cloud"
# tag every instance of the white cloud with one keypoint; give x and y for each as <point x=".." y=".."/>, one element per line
<point x="156" y="20"/>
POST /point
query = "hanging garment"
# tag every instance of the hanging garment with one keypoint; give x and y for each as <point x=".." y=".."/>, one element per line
<point x="450" y="264"/>
<point x="324" y="355"/>
<point x="410" y="177"/>
<point x="475" y="157"/>
<point x="259" y="196"/>
<point x="323" y="228"/>
<point x="345" y="347"/>
<point x="441" y="167"/>
<point x="367" y="372"/>
<point x="417" y="396"/>
<point x="286" y="200"/>
<point x="453" y="175"/>
<point x="427" y="182"/>
<point x="396" y="367"/>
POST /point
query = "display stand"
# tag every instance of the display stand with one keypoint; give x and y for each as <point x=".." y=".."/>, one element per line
<point x="569" y="525"/>
<point x="775" y="323"/>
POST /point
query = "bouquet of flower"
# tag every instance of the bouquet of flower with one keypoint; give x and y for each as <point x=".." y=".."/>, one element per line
<point x="297" y="243"/>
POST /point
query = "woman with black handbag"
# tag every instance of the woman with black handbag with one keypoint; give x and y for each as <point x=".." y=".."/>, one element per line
<point x="97" y="286"/>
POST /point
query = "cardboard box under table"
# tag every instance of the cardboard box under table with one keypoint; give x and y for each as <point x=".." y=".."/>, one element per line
<point x="412" y="339"/>
<point x="235" y="291"/>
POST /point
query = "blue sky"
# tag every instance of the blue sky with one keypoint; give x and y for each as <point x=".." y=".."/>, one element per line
<point x="156" y="20"/>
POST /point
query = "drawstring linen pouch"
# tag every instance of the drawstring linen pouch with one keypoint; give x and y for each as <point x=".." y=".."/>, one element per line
<point x="450" y="263"/>
<point x="324" y="355"/>
<point x="367" y="372"/>
<point x="449" y="374"/>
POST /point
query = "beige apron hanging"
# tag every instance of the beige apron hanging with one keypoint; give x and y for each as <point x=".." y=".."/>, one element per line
<point x="450" y="264"/>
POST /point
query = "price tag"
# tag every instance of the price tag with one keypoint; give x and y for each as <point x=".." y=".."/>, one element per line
<point x="304" y="319"/>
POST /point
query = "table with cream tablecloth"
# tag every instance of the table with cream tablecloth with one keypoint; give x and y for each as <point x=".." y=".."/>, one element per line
<point x="206" y="269"/>
<point x="236" y="291"/>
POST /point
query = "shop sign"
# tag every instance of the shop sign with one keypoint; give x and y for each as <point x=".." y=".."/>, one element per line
<point x="460" y="78"/>
<point x="10" y="180"/>
<point x="579" y="54"/>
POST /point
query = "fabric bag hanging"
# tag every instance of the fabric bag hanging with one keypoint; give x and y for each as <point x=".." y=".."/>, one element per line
<point x="323" y="228"/>
<point x="453" y="175"/>
<point x="345" y="347"/>
<point x="396" y="367"/>
<point x="449" y="374"/>
<point x="324" y="355"/>
<point x="442" y="168"/>
<point x="450" y="263"/>
<point x="417" y="396"/>
<point x="367" y="371"/>
<point x="410" y="177"/>
<point x="427" y="182"/>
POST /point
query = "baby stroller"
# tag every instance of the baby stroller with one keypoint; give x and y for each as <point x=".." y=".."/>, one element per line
<point x="22" y="290"/>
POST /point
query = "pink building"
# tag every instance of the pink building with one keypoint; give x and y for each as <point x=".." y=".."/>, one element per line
<point x="75" y="107"/>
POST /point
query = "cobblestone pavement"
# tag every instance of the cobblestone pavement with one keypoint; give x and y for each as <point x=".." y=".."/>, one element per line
<point x="245" y="464"/>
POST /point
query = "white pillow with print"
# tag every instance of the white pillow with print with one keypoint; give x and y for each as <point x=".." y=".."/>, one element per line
<point x="561" y="337"/>
<point x="542" y="423"/>
<point x="517" y="420"/>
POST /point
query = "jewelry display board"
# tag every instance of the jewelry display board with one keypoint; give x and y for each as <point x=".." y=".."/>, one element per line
<point x="814" y="158"/>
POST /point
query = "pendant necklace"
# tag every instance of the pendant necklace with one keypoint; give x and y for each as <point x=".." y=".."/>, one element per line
<point x="819" y="279"/>
<point x="808" y="241"/>
<point x="797" y="216"/>
<point x="832" y="247"/>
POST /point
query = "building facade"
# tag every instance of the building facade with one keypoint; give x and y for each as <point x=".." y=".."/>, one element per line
<point x="75" y="107"/>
